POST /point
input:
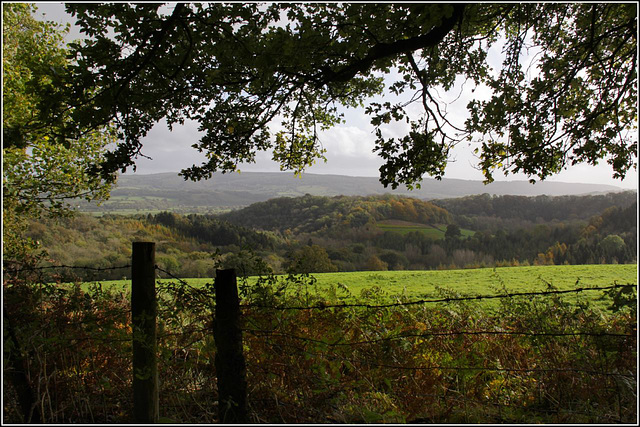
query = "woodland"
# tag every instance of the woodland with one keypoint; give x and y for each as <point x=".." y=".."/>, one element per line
<point x="314" y="234"/>
<point x="385" y="360"/>
<point x="270" y="77"/>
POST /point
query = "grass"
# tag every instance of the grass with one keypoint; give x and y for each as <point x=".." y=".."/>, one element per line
<point x="432" y="231"/>
<point x="484" y="281"/>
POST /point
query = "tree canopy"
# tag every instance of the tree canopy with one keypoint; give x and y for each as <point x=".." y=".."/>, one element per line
<point x="565" y="93"/>
<point x="44" y="168"/>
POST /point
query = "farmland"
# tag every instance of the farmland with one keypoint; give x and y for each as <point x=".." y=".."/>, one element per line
<point x="510" y="363"/>
<point x="432" y="231"/>
<point x="481" y="281"/>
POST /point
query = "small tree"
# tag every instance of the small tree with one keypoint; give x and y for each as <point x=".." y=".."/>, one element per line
<point x="311" y="259"/>
<point x="613" y="247"/>
<point x="375" y="264"/>
<point x="453" y="232"/>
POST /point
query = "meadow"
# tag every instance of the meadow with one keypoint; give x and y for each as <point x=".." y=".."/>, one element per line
<point x="505" y="360"/>
<point x="404" y="227"/>
<point x="422" y="284"/>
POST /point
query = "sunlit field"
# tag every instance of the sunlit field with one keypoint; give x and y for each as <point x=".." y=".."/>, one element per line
<point x="431" y="283"/>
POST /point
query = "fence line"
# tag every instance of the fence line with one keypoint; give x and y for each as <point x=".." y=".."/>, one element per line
<point x="262" y="332"/>
<point x="426" y="301"/>
<point x="343" y="305"/>
<point x="73" y="267"/>
<point x="371" y="306"/>
<point x="482" y="368"/>
<point x="206" y="293"/>
<point x="464" y="368"/>
<point x="182" y="282"/>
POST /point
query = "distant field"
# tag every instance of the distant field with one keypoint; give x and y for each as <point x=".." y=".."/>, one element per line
<point x="404" y="227"/>
<point x="483" y="281"/>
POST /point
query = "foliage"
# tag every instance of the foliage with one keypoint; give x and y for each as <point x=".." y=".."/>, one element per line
<point x="453" y="232"/>
<point x="337" y="214"/>
<point x="76" y="345"/>
<point x="524" y="210"/>
<point x="311" y="259"/>
<point x="44" y="168"/>
<point x="186" y="246"/>
<point x="235" y="68"/>
<point x="579" y="107"/>
<point x="542" y="358"/>
<point x="354" y="232"/>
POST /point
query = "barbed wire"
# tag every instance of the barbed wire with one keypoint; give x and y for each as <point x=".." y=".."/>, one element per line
<point x="182" y="282"/>
<point x="73" y="267"/>
<point x="489" y="369"/>
<point x="203" y="295"/>
<point x="322" y="306"/>
<point x="262" y="332"/>
<point x="466" y="368"/>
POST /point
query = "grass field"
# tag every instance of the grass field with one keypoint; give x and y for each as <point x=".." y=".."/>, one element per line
<point x="483" y="281"/>
<point x="403" y="227"/>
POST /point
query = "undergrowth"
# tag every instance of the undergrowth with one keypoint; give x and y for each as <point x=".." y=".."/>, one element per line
<point x="529" y="359"/>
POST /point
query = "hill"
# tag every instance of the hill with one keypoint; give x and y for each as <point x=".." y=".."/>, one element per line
<point x="168" y="191"/>
<point x="308" y="214"/>
<point x="356" y="233"/>
<point x="486" y="212"/>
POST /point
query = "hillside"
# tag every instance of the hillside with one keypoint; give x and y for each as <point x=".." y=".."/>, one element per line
<point x="168" y="191"/>
<point x="483" y="211"/>
<point x="355" y="233"/>
<point x="309" y="213"/>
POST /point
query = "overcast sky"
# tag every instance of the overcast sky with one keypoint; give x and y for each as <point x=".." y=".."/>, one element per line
<point x="349" y="146"/>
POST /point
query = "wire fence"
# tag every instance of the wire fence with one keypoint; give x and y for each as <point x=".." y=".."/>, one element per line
<point x="442" y="300"/>
<point x="60" y="267"/>
<point x="306" y="351"/>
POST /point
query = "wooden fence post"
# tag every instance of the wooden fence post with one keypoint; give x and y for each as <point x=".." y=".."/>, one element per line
<point x="143" y="317"/>
<point x="229" y="361"/>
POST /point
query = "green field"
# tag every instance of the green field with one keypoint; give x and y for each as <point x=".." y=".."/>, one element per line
<point x="483" y="281"/>
<point x="433" y="231"/>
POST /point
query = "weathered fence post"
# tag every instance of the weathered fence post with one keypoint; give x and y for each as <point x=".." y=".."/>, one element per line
<point x="229" y="361"/>
<point x="143" y="316"/>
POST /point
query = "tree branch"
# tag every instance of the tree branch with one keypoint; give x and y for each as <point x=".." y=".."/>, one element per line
<point x="385" y="50"/>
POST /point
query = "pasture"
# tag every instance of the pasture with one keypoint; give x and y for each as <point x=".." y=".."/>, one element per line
<point x="404" y="227"/>
<point x="526" y="360"/>
<point x="430" y="283"/>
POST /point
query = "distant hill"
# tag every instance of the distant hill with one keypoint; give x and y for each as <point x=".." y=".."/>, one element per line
<point x="338" y="213"/>
<point x="168" y="191"/>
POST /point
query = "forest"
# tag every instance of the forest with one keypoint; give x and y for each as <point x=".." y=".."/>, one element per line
<point x="314" y="234"/>
<point x="76" y="114"/>
<point x="385" y="359"/>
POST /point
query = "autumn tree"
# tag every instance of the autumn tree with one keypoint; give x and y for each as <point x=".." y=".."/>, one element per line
<point x="44" y="168"/>
<point x="565" y="93"/>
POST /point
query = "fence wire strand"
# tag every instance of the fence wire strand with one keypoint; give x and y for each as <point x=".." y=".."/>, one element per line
<point x="262" y="332"/>
<point x="331" y="351"/>
<point x="439" y="300"/>
<point x="72" y="267"/>
<point x="368" y="363"/>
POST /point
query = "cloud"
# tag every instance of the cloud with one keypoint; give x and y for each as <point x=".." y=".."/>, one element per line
<point x="169" y="151"/>
<point x="349" y="147"/>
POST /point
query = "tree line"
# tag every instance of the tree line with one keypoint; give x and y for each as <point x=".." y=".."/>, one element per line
<point x="313" y="234"/>
<point x="74" y="114"/>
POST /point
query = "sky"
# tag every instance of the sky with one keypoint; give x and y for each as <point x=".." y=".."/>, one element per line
<point x="349" y="146"/>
